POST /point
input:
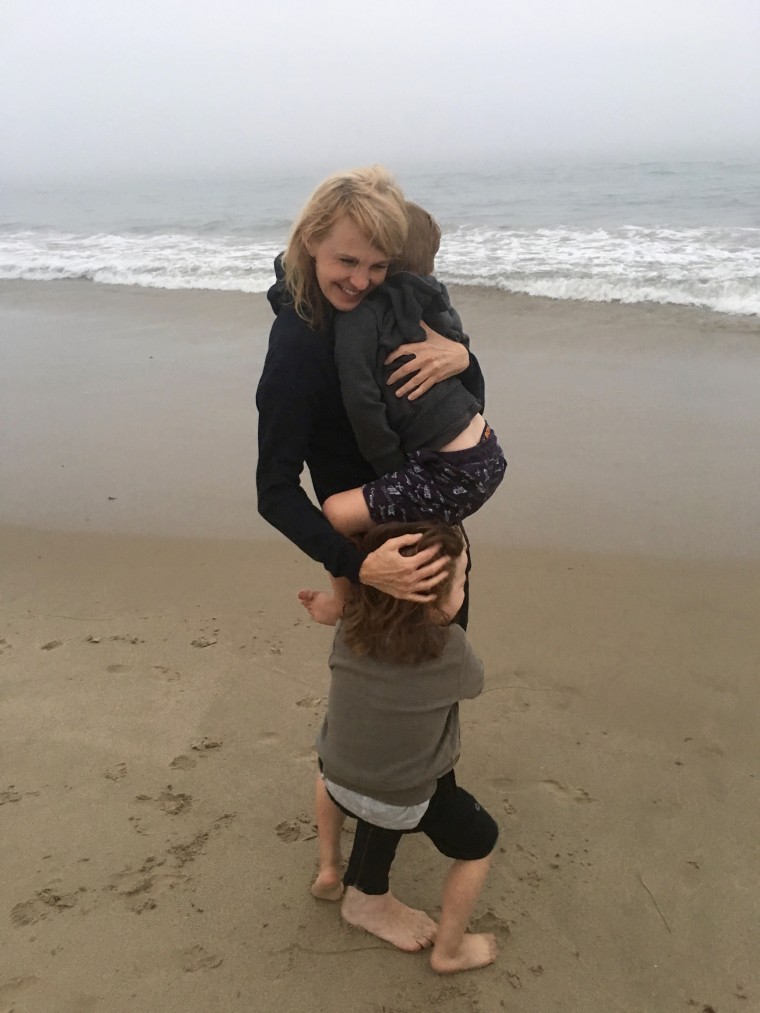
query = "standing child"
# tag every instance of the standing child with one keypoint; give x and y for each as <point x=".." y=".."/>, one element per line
<point x="387" y="750"/>
<point x="434" y="453"/>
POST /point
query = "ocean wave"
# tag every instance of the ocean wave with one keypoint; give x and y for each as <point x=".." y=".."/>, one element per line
<point x="171" y="261"/>
<point x="718" y="269"/>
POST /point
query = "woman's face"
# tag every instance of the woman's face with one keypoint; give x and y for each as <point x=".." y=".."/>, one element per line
<point x="347" y="265"/>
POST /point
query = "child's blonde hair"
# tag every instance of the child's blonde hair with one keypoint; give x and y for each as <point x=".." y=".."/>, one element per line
<point x="372" y="200"/>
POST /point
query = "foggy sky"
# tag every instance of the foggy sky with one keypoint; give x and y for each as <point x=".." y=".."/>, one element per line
<point x="235" y="85"/>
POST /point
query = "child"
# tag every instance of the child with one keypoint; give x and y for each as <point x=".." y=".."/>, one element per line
<point x="387" y="752"/>
<point x="435" y="454"/>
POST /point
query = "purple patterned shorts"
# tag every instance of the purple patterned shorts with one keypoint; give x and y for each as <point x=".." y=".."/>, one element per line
<point x="438" y="485"/>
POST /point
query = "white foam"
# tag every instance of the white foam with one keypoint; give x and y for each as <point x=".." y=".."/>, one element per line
<point x="163" y="261"/>
<point x="714" y="268"/>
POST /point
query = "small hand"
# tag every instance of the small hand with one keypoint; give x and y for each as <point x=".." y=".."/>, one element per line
<point x="409" y="577"/>
<point x="435" y="359"/>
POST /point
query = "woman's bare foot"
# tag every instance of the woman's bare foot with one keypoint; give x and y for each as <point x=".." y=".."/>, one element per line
<point x="321" y="606"/>
<point x="386" y="917"/>
<point x="476" y="950"/>
<point x="328" y="885"/>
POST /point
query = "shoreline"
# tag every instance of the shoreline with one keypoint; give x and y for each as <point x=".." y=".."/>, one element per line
<point x="472" y="293"/>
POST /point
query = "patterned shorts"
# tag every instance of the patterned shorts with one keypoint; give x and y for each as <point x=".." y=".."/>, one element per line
<point x="438" y="485"/>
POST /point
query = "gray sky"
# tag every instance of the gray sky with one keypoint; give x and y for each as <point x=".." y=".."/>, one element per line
<point x="234" y="85"/>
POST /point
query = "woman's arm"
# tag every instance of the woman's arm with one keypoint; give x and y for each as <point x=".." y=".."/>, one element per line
<point x="287" y="403"/>
<point x="408" y="577"/>
<point x="435" y="359"/>
<point x="287" y="406"/>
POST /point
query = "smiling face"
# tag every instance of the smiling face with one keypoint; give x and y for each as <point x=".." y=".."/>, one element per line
<point x="347" y="265"/>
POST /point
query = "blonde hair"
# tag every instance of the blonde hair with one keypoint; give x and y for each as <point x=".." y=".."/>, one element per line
<point x="423" y="240"/>
<point x="368" y="197"/>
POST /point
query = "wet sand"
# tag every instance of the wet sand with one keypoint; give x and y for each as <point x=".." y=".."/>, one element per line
<point x="161" y="688"/>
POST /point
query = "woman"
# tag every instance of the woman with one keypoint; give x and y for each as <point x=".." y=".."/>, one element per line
<point x="340" y="248"/>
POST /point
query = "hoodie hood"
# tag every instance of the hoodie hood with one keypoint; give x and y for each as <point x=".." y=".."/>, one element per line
<point x="278" y="295"/>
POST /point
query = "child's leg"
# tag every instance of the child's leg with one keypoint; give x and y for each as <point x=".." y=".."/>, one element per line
<point x="328" y="884"/>
<point x="462" y="829"/>
<point x="456" y="949"/>
<point x="347" y="512"/>
<point x="368" y="902"/>
<point x="327" y="608"/>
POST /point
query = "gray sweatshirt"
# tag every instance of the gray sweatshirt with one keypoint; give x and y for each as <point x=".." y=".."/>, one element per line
<point x="392" y="730"/>
<point x="386" y="427"/>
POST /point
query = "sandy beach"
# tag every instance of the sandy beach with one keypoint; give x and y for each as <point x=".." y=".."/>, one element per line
<point x="161" y="688"/>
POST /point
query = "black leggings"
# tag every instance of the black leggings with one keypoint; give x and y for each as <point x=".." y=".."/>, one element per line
<point x="455" y="822"/>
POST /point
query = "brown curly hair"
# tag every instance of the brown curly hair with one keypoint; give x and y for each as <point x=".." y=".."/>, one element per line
<point x="393" y="629"/>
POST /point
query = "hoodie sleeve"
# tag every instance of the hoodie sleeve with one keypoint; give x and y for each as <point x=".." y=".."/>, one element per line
<point x="356" y="353"/>
<point x="287" y="409"/>
<point x="472" y="377"/>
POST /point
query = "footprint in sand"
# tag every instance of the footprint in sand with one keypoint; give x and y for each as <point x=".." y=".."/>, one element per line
<point x="195" y="958"/>
<point x="137" y="825"/>
<point x="566" y="791"/>
<point x="183" y="762"/>
<point x="114" y="669"/>
<point x="312" y="701"/>
<point x="166" y="673"/>
<point x="171" y="803"/>
<point x="4" y="646"/>
<point x="138" y="886"/>
<point x="490" y="921"/>
<point x="307" y="757"/>
<point x="39" y="907"/>
<point x="299" y="829"/>
<point x="116" y="773"/>
<point x="51" y="645"/>
<point x="205" y="744"/>
<point x="203" y="642"/>
<point x="12" y="988"/>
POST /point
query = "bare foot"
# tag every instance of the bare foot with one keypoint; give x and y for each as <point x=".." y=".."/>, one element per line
<point x="386" y="917"/>
<point x="328" y="885"/>
<point x="321" y="606"/>
<point x="476" y="950"/>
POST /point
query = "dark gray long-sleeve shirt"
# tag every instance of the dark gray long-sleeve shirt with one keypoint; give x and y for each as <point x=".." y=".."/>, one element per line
<point x="392" y="730"/>
<point x="386" y="427"/>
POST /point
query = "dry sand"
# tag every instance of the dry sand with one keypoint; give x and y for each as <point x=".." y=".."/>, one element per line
<point x="161" y="689"/>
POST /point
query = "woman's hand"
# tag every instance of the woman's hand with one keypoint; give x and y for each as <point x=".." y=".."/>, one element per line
<point x="408" y="577"/>
<point x="435" y="359"/>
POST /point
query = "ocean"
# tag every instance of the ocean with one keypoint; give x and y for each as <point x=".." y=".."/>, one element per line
<point x="662" y="232"/>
